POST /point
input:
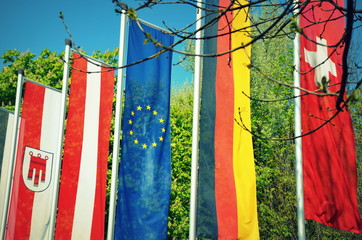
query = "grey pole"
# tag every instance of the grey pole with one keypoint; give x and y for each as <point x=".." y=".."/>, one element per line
<point x="195" y="125"/>
<point x="117" y="127"/>
<point x="298" y="132"/>
<point x="66" y="68"/>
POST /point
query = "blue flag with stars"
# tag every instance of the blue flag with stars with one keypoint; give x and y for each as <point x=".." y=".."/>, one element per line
<point x="145" y="168"/>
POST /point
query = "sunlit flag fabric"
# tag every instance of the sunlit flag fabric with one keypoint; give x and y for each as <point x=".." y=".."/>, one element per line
<point x="145" y="175"/>
<point x="329" y="157"/>
<point x="36" y="162"/>
<point x="226" y="199"/>
<point x="6" y="128"/>
<point x="82" y="197"/>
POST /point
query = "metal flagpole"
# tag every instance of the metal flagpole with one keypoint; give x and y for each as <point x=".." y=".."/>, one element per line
<point x="195" y="124"/>
<point x="298" y="132"/>
<point x="117" y="127"/>
<point x="3" y="223"/>
<point x="66" y="68"/>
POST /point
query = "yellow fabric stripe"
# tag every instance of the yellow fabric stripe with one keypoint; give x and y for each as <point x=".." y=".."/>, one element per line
<point x="243" y="155"/>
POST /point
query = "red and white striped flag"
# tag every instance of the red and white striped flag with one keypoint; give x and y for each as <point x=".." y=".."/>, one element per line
<point x="32" y="194"/>
<point x="82" y="198"/>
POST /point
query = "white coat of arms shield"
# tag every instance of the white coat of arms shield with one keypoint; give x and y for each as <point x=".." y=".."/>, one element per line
<point x="37" y="169"/>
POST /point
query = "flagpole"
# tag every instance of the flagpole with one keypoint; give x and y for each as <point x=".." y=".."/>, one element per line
<point x="66" y="68"/>
<point x="195" y="124"/>
<point x="297" y="133"/>
<point x="117" y="127"/>
<point x="13" y="153"/>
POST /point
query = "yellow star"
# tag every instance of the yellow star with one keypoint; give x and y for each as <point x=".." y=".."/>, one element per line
<point x="161" y="120"/>
<point x="132" y="113"/>
<point x="154" y="144"/>
<point x="155" y="112"/>
<point x="144" y="146"/>
<point x="139" y="108"/>
<point x="160" y="138"/>
<point x="135" y="141"/>
<point x="148" y="107"/>
<point x="163" y="129"/>
<point x="131" y="132"/>
<point x="130" y="121"/>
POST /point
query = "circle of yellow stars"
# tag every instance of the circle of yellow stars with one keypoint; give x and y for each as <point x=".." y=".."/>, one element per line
<point x="146" y="144"/>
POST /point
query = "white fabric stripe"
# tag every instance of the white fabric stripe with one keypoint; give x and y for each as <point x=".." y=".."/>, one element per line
<point x="5" y="163"/>
<point x="40" y="228"/>
<point x="83" y="214"/>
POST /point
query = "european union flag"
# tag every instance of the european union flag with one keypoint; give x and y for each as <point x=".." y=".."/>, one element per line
<point x="145" y="168"/>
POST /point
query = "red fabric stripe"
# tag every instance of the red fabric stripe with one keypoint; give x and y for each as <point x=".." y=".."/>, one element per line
<point x="226" y="206"/>
<point x="22" y="198"/>
<point x="72" y="151"/>
<point x="105" y="115"/>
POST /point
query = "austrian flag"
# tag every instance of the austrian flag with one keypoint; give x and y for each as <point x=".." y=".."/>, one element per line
<point x="82" y="195"/>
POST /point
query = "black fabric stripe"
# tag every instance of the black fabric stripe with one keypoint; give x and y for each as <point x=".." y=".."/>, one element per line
<point x="206" y="224"/>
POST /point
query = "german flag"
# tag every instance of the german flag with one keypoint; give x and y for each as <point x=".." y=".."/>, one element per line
<point x="226" y="205"/>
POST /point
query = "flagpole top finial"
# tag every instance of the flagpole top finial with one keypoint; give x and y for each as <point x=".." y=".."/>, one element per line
<point x="123" y="6"/>
<point x="68" y="42"/>
<point x="21" y="71"/>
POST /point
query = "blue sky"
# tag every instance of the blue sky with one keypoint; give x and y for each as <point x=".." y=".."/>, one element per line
<point x="35" y="25"/>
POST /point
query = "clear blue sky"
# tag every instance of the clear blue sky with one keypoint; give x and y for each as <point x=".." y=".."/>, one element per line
<point x="35" y="25"/>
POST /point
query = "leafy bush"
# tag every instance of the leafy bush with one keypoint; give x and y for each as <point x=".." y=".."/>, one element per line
<point x="181" y="138"/>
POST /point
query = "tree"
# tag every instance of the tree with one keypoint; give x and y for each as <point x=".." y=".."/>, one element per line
<point x="274" y="159"/>
<point x="46" y="68"/>
<point x="181" y="129"/>
<point x="188" y="62"/>
<point x="284" y="23"/>
<point x="272" y="117"/>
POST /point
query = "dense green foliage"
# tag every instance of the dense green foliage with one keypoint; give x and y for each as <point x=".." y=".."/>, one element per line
<point x="46" y="68"/>
<point x="272" y="117"/>
<point x="181" y="136"/>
